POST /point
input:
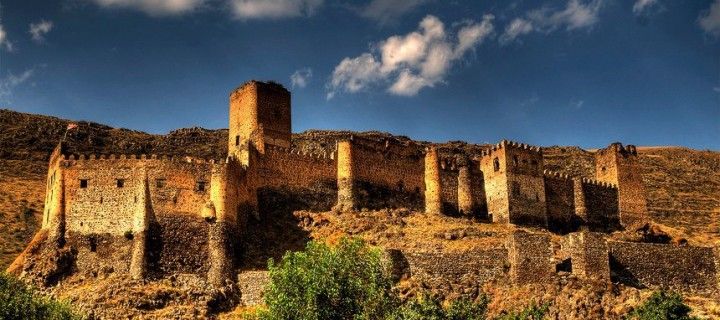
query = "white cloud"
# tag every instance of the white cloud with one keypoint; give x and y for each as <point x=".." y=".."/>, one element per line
<point x="641" y="5"/>
<point x="301" y="77"/>
<point x="40" y="29"/>
<point x="716" y="89"/>
<point x="709" y="20"/>
<point x="274" y="9"/>
<point x="11" y="81"/>
<point x="384" y="11"/>
<point x="575" y="15"/>
<point x="153" y="7"/>
<point x="4" y="42"/>
<point x="411" y="62"/>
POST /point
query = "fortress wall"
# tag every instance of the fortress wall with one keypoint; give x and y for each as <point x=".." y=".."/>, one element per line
<point x="684" y="268"/>
<point x="449" y="187"/>
<point x="387" y="179"/>
<point x="452" y="272"/>
<point x="601" y="205"/>
<point x="104" y="207"/>
<point x="101" y="254"/>
<point x="477" y="183"/>
<point x="560" y="201"/>
<point x="280" y="167"/>
<point x="178" y="190"/>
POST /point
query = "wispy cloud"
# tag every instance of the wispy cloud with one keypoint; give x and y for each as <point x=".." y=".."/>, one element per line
<point x="154" y="7"/>
<point x="716" y="89"/>
<point x="709" y="20"/>
<point x="385" y="11"/>
<point x="575" y="15"/>
<point x="38" y="30"/>
<point x="411" y="62"/>
<point x="4" y="42"/>
<point x="274" y="9"/>
<point x="10" y="82"/>
<point x="641" y="6"/>
<point x="300" y="78"/>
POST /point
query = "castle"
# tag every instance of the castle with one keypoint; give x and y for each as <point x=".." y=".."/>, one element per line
<point x="168" y="215"/>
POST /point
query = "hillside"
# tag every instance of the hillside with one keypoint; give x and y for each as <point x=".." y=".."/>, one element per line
<point x="683" y="185"/>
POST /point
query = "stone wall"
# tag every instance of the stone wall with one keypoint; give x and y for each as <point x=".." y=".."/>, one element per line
<point x="387" y="178"/>
<point x="252" y="285"/>
<point x="280" y="167"/>
<point x="452" y="273"/>
<point x="685" y="268"/>
<point x="449" y="187"/>
<point x="530" y="257"/>
<point x="601" y="205"/>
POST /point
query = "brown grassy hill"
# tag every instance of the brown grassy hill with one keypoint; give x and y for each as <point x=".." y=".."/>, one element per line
<point x="683" y="185"/>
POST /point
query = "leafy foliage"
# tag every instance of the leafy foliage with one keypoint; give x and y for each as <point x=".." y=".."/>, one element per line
<point x="428" y="308"/>
<point x="662" y="305"/>
<point x="348" y="281"/>
<point x="532" y="312"/>
<point x="17" y="301"/>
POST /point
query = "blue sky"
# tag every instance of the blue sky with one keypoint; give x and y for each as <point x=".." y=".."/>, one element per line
<point x="566" y="72"/>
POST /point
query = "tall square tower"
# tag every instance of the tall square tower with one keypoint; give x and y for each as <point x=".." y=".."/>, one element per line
<point x="620" y="166"/>
<point x="514" y="184"/>
<point x="259" y="115"/>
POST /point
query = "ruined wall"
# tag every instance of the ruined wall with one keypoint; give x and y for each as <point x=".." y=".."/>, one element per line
<point x="530" y="257"/>
<point x="652" y="265"/>
<point x="589" y="255"/>
<point x="477" y="183"/>
<point x="560" y="200"/>
<point x="452" y="273"/>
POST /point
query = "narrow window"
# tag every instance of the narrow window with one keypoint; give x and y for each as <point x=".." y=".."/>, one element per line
<point x="603" y="169"/>
<point x="496" y="164"/>
<point x="83" y="183"/>
<point x="200" y="186"/>
<point x="160" y="183"/>
<point x="120" y="183"/>
<point x="93" y="244"/>
<point x="237" y="140"/>
<point x="515" y="161"/>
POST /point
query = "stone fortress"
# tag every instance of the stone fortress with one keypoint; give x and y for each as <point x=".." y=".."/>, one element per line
<point x="151" y="216"/>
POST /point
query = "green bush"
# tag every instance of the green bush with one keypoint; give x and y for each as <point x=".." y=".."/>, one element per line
<point x="348" y="281"/>
<point x="17" y="301"/>
<point x="532" y="312"/>
<point x="662" y="305"/>
<point x="427" y="308"/>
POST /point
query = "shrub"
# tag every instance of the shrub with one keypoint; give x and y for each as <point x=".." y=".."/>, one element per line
<point x="17" y="301"/>
<point x="531" y="312"/>
<point x="428" y="308"/>
<point x="662" y="305"/>
<point x="348" y="281"/>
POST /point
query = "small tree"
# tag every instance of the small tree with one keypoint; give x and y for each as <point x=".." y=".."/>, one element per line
<point x="662" y="305"/>
<point x="347" y="281"/>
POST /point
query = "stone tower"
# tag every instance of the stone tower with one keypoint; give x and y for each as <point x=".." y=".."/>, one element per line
<point x="620" y="166"/>
<point x="514" y="184"/>
<point x="259" y="115"/>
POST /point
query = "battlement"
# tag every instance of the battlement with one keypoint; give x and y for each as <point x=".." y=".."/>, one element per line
<point x="272" y="150"/>
<point x="266" y="84"/>
<point x="618" y="148"/>
<point x="509" y="144"/>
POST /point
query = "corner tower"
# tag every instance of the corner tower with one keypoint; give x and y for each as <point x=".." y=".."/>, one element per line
<point x="514" y="183"/>
<point x="620" y="166"/>
<point x="259" y="115"/>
